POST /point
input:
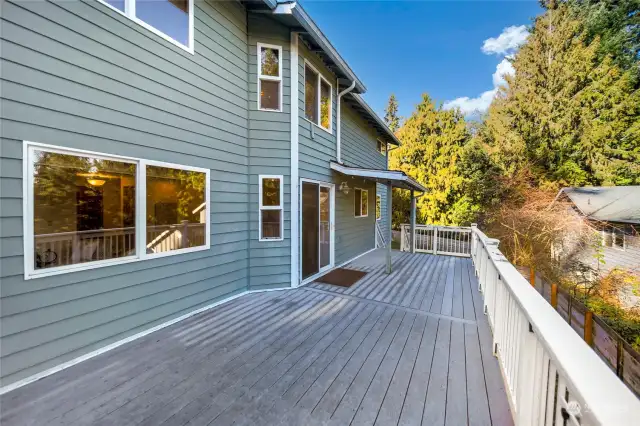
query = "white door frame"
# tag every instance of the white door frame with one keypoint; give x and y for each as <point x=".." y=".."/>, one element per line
<point x="332" y="227"/>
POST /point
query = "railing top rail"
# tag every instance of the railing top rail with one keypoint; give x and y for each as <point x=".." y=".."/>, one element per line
<point x="453" y="228"/>
<point x="607" y="399"/>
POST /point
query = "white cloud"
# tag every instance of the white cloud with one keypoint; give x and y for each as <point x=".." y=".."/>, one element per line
<point x="472" y="106"/>
<point x="507" y="42"/>
<point x="504" y="68"/>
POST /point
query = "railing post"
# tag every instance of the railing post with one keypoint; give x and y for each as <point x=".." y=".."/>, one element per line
<point x="402" y="228"/>
<point x="185" y="233"/>
<point x="435" y="239"/>
<point x="588" y="327"/>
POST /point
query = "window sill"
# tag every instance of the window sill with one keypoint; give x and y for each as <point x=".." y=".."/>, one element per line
<point x="360" y="217"/>
<point x="270" y="110"/>
<point x="111" y="262"/>
<point x="330" y="131"/>
<point x="152" y="29"/>
<point x="266" y="240"/>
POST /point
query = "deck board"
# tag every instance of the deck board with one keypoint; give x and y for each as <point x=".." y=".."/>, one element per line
<point x="409" y="348"/>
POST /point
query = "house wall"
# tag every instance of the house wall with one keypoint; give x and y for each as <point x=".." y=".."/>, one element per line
<point x="269" y="154"/>
<point x="79" y="75"/>
<point x="317" y="148"/>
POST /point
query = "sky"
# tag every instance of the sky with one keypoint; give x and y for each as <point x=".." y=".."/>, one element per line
<point x="455" y="51"/>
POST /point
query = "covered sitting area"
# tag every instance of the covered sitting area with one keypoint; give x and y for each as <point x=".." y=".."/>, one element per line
<point x="390" y="178"/>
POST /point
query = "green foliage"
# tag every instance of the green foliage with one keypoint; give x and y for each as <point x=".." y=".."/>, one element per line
<point x="570" y="113"/>
<point x="391" y="114"/>
<point x="432" y="143"/>
<point x="625" y="323"/>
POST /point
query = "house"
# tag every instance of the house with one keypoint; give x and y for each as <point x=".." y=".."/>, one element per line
<point x="613" y="213"/>
<point x="160" y="158"/>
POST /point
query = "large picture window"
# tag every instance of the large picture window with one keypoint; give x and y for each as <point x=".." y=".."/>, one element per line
<point x="85" y="209"/>
<point x="271" y="207"/>
<point x="318" y="98"/>
<point x="360" y="202"/>
<point x="269" y="77"/>
<point x="170" y="19"/>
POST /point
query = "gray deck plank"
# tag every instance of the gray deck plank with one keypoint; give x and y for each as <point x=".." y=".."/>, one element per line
<point x="350" y="402"/>
<point x="397" y="390"/>
<point x="414" y="402"/>
<point x="370" y="405"/>
<point x="456" y="411"/>
<point x="408" y="348"/>
<point x="435" y="405"/>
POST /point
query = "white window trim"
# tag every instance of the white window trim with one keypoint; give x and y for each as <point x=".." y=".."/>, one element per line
<point x="28" y="210"/>
<point x="378" y="141"/>
<point x="378" y="197"/>
<point x="130" y="13"/>
<point x="318" y="101"/>
<point x="354" y="199"/>
<point x="279" y="207"/>
<point x="269" y="77"/>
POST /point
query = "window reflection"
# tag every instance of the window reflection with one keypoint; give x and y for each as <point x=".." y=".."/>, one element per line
<point x="168" y="16"/>
<point x="176" y="209"/>
<point x="84" y="209"/>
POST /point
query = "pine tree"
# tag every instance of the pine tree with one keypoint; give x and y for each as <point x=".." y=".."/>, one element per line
<point x="391" y="114"/>
<point x="432" y="142"/>
<point x="569" y="114"/>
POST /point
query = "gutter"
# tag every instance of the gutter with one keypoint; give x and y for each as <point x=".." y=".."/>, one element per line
<point x="339" y="121"/>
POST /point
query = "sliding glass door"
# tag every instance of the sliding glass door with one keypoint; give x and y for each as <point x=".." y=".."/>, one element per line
<point x="316" y="241"/>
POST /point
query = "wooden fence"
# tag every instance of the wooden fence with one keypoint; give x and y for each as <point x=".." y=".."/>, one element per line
<point x="608" y="344"/>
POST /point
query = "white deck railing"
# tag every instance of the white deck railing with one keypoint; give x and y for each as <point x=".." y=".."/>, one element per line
<point x="449" y="240"/>
<point x="552" y="376"/>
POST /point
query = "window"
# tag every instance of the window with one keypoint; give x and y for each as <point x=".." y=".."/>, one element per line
<point x="87" y="209"/>
<point x="614" y="238"/>
<point x="361" y="202"/>
<point x="170" y="19"/>
<point x="378" y="207"/>
<point x="382" y="147"/>
<point x="318" y="98"/>
<point x="269" y="77"/>
<point x="271" y="208"/>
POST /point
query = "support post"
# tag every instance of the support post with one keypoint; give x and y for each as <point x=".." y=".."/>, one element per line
<point x="413" y="222"/>
<point x="588" y="328"/>
<point x="532" y="276"/>
<point x="554" y="296"/>
<point x="390" y="215"/>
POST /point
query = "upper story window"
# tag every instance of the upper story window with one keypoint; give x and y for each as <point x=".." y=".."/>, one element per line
<point x="88" y="209"/>
<point x="269" y="77"/>
<point x="318" y="98"/>
<point x="270" y="218"/>
<point x="170" y="19"/>
<point x="360" y="202"/>
<point x="382" y="147"/>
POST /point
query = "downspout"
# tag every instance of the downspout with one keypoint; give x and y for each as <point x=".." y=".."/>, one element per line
<point x="339" y="121"/>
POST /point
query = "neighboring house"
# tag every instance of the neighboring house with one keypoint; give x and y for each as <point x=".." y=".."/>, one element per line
<point x="613" y="213"/>
<point x="156" y="162"/>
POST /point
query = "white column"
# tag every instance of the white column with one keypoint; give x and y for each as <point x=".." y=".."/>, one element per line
<point x="390" y="215"/>
<point x="413" y="222"/>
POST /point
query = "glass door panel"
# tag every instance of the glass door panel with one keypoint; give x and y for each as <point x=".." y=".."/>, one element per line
<point x="310" y="227"/>
<point x="325" y="226"/>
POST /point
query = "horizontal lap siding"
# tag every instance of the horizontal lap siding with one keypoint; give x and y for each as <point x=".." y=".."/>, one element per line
<point x="381" y="190"/>
<point x="270" y="154"/>
<point x="79" y="75"/>
<point x="353" y="236"/>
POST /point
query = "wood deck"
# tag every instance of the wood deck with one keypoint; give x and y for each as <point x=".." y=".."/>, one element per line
<point x="410" y="348"/>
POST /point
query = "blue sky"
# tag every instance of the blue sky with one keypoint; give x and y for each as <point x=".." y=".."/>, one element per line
<point x="409" y="48"/>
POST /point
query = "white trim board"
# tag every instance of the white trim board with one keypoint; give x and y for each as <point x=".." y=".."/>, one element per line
<point x="65" y="365"/>
<point x="295" y="181"/>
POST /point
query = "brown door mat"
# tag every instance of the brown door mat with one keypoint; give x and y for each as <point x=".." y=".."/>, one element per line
<point x="342" y="277"/>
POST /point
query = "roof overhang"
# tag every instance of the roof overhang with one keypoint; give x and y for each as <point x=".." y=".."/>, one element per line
<point x="396" y="178"/>
<point x="356" y="102"/>
<point x="294" y="15"/>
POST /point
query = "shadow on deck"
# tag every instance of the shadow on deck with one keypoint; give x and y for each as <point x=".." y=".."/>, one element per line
<point x="408" y="348"/>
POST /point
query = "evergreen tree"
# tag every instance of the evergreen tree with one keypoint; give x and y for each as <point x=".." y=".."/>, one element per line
<point x="391" y="114"/>
<point x="432" y="142"/>
<point x="570" y="115"/>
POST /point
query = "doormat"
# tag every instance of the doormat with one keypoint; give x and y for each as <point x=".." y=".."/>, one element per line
<point x="342" y="277"/>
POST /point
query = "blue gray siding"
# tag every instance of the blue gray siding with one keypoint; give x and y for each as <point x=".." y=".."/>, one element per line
<point x="269" y="154"/>
<point x="79" y="75"/>
<point x="381" y="190"/>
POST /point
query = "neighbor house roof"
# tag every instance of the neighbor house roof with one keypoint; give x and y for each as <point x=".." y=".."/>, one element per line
<point x="606" y="203"/>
